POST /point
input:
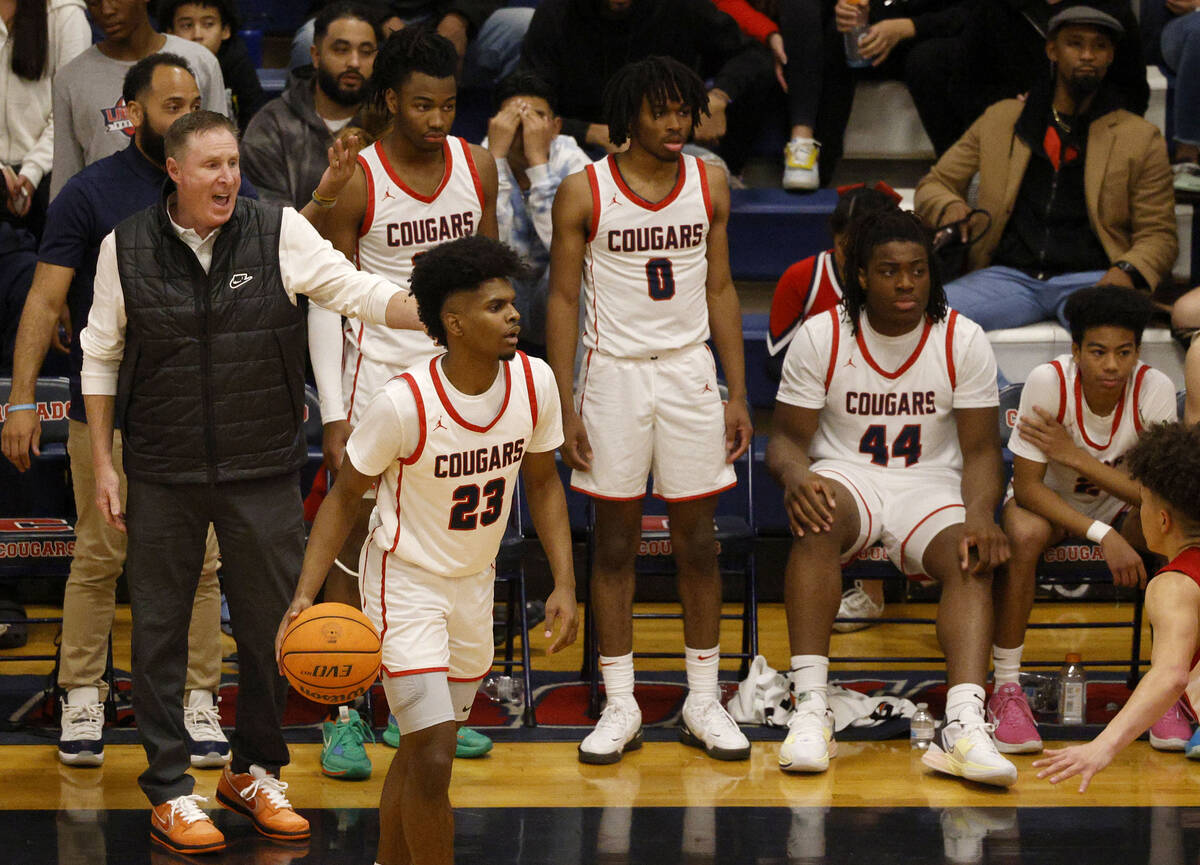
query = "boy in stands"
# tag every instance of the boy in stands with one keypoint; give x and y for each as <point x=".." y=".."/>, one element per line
<point x="1079" y="416"/>
<point x="1165" y="462"/>
<point x="886" y="430"/>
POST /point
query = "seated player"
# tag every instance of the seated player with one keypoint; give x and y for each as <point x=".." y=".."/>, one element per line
<point x="457" y="427"/>
<point x="808" y="288"/>
<point x="886" y="430"/>
<point x="1166" y="464"/>
<point x="1079" y="416"/>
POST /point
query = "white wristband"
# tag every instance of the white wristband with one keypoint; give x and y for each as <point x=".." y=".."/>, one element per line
<point x="1097" y="531"/>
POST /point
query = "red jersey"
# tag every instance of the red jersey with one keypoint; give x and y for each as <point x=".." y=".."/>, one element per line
<point x="807" y="288"/>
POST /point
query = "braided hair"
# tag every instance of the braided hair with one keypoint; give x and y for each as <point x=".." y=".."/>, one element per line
<point x="658" y="79"/>
<point x="414" y="49"/>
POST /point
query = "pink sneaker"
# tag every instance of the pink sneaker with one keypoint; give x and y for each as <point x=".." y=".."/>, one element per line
<point x="1172" y="731"/>
<point x="1009" y="713"/>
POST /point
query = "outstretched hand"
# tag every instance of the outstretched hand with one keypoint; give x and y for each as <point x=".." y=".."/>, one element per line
<point x="1085" y="760"/>
<point x="343" y="157"/>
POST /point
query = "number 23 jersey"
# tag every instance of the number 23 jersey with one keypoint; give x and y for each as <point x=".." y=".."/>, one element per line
<point x="888" y="402"/>
<point x="448" y="462"/>
<point x="645" y="269"/>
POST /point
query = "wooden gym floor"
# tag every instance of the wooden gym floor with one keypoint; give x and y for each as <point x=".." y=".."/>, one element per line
<point x="535" y="803"/>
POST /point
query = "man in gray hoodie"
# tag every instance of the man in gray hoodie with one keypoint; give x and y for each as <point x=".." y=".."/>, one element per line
<point x="284" y="147"/>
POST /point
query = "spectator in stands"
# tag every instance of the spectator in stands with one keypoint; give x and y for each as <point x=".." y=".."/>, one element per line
<point x="1171" y="37"/>
<point x="200" y="237"/>
<point x="1185" y="322"/>
<point x="89" y="111"/>
<point x="486" y="36"/>
<point x="18" y="256"/>
<point x="37" y="38"/>
<point x="284" y="148"/>
<point x="532" y="159"/>
<point x="157" y="90"/>
<point x="1001" y="54"/>
<point x="214" y="24"/>
<point x="912" y="42"/>
<point x="1065" y="485"/>
<point x="1078" y="189"/>
<point x="577" y="45"/>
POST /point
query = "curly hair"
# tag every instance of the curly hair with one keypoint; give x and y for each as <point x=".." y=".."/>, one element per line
<point x="1166" y="459"/>
<point x="873" y="229"/>
<point x="459" y="265"/>
<point x="659" y="79"/>
<point x="414" y="49"/>
<point x="1107" y="306"/>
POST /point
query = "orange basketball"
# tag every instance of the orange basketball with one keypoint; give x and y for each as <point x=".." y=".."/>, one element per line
<point x="331" y="653"/>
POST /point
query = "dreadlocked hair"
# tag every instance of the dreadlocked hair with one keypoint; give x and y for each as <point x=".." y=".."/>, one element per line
<point x="1166" y="459"/>
<point x="459" y="265"/>
<point x="873" y="229"/>
<point x="416" y="48"/>
<point x="658" y="79"/>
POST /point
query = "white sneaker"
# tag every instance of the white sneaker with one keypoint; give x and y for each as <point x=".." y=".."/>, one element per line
<point x="966" y="749"/>
<point x="618" y="730"/>
<point x="82" y="740"/>
<point x="800" y="164"/>
<point x="704" y="723"/>
<point x="206" y="741"/>
<point x="856" y="604"/>
<point x="809" y="744"/>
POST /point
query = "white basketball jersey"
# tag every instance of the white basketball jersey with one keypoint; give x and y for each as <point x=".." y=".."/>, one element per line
<point x="398" y="226"/>
<point x="900" y="418"/>
<point x="445" y="507"/>
<point x="645" y="266"/>
<point x="1107" y="439"/>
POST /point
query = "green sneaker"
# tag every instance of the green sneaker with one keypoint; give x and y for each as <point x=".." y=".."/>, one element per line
<point x="470" y="743"/>
<point x="342" y="753"/>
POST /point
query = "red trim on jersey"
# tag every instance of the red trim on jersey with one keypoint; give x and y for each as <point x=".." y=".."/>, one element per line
<point x="398" y="673"/>
<point x="1062" y="390"/>
<point x="474" y="172"/>
<point x="382" y="593"/>
<point x="834" y="474"/>
<point x="715" y="492"/>
<point x="1137" y="393"/>
<point x="595" y="495"/>
<point x="399" y="486"/>
<point x="703" y="172"/>
<point x="637" y="199"/>
<point x="950" y="348"/>
<point x="903" y="368"/>
<point x="833" y="353"/>
<point x="594" y="183"/>
<point x="1079" y="415"/>
<point x="533" y="405"/>
<point x="467" y="679"/>
<point x="587" y="367"/>
<point x="357" y="367"/>
<point x="369" y="214"/>
<point x="447" y="155"/>
<point x="412" y="385"/>
<point x="904" y="543"/>
<point x="449" y="406"/>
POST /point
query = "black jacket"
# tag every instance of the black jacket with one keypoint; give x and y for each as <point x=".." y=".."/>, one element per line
<point x="241" y="80"/>
<point x="211" y="386"/>
<point x="576" y="48"/>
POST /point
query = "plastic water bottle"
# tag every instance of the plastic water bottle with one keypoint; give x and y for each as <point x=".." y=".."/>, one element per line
<point x="920" y="728"/>
<point x="854" y="57"/>
<point x="1072" y="692"/>
<point x="504" y="689"/>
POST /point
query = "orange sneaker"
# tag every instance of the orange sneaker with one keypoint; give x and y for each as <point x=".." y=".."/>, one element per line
<point x="260" y="797"/>
<point x="179" y="825"/>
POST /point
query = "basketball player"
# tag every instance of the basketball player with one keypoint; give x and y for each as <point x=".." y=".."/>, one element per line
<point x="1079" y="415"/>
<point x="445" y="441"/>
<point x="1166" y="463"/>
<point x="646" y="230"/>
<point x="416" y="187"/>
<point x="886" y="430"/>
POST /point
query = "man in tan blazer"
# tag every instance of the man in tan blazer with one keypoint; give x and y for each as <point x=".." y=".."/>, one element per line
<point x="1079" y="190"/>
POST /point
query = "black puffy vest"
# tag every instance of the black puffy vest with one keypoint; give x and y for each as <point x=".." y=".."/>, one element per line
<point x="211" y="386"/>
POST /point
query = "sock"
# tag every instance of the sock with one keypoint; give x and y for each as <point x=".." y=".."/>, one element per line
<point x="1007" y="664"/>
<point x="702" y="669"/>
<point x="964" y="703"/>
<point x="618" y="678"/>
<point x="810" y="674"/>
<point x="83" y="696"/>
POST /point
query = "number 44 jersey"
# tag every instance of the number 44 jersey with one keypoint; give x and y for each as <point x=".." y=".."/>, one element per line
<point x="645" y="264"/>
<point x="448" y="461"/>
<point x="889" y="402"/>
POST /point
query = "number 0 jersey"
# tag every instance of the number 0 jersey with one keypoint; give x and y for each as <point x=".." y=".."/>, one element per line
<point x="447" y="473"/>
<point x="645" y="266"/>
<point x="886" y="402"/>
